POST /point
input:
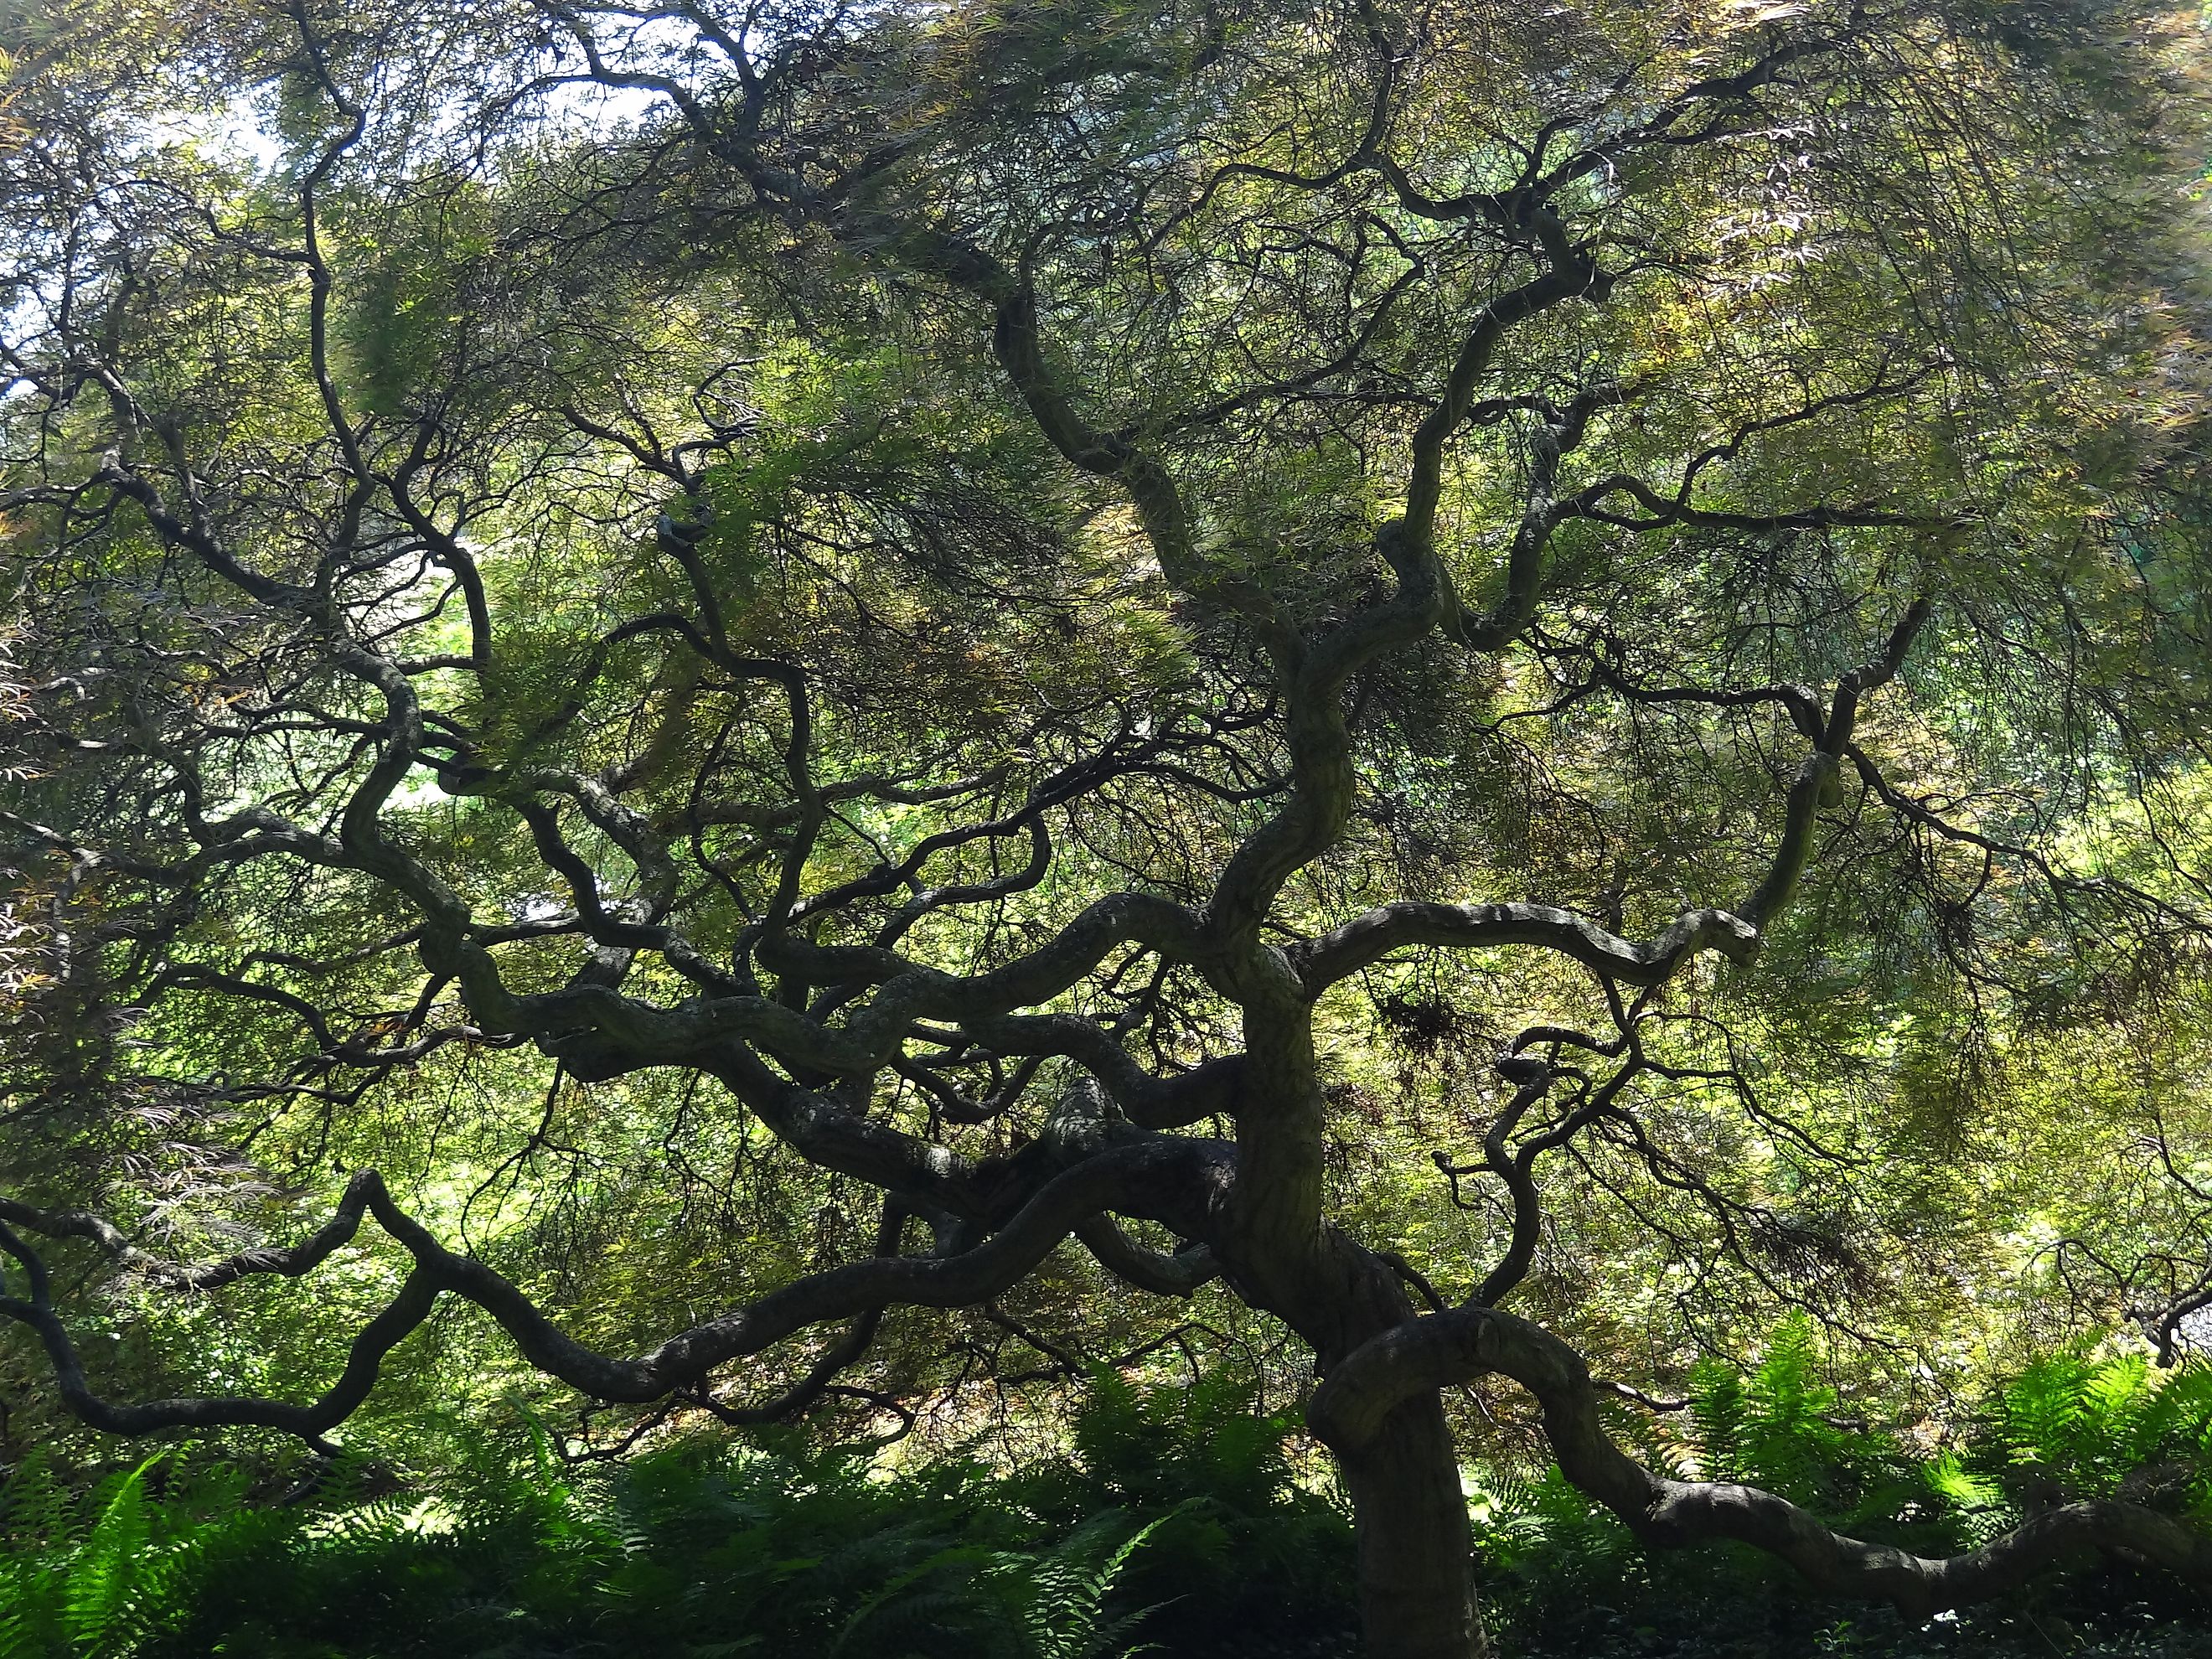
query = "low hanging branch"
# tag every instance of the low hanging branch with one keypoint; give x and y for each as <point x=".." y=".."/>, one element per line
<point x="1462" y="1344"/>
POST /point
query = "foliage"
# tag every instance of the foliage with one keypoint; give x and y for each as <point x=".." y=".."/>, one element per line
<point x="1169" y="1526"/>
<point x="1243" y="1546"/>
<point x="701" y="1549"/>
<point x="2065" y="1427"/>
<point x="2079" y="1426"/>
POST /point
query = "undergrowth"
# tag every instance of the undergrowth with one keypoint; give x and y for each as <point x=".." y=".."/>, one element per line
<point x="1174" y="1524"/>
<point x="1564" y="1574"/>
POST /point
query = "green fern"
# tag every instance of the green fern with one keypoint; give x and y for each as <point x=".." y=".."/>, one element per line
<point x="2038" y="1413"/>
<point x="1720" y="1417"/>
<point x="107" y="1571"/>
<point x="1065" y="1618"/>
<point x="2071" y="1426"/>
<point x="909" y="1593"/>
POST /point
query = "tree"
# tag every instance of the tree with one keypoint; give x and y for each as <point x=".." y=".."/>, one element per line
<point x="970" y="584"/>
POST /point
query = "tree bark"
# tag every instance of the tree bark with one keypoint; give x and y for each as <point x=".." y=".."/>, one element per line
<point x="1416" y="1595"/>
<point x="1415" y="1544"/>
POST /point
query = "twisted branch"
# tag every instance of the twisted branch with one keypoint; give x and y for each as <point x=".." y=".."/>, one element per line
<point x="1173" y="1181"/>
<point x="1442" y="1349"/>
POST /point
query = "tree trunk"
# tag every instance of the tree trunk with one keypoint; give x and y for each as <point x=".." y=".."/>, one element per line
<point x="1416" y="1551"/>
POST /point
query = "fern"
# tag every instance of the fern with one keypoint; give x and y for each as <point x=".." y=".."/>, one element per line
<point x="1720" y="1417"/>
<point x="2068" y="1427"/>
<point x="1975" y="1504"/>
<point x="1065" y="1618"/>
<point x="105" y="1572"/>
<point x="904" y="1596"/>
<point x="2039" y="1412"/>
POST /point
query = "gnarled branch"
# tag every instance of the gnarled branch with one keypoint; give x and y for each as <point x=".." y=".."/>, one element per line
<point x="1445" y="1349"/>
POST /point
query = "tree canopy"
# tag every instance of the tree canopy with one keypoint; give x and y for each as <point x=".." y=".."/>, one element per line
<point x="1513" y="687"/>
